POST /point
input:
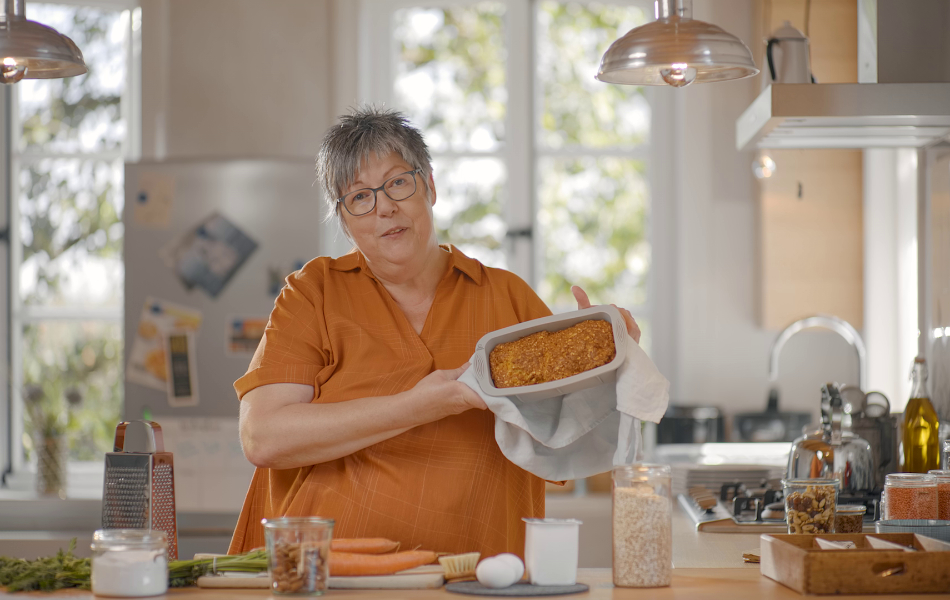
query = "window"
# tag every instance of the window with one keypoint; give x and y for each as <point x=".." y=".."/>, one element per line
<point x="539" y="168"/>
<point x="68" y="140"/>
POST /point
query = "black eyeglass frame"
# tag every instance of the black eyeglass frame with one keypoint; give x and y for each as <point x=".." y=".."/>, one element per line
<point x="382" y="189"/>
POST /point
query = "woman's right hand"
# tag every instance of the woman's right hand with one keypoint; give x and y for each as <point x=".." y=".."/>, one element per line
<point x="443" y="388"/>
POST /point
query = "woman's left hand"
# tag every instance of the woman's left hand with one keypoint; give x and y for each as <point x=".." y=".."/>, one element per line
<point x="584" y="302"/>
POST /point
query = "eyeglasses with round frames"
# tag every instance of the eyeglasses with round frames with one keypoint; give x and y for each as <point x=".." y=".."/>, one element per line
<point x="363" y="201"/>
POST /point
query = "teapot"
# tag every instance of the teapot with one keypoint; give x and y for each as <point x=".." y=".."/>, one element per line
<point x="793" y="63"/>
<point x="830" y="452"/>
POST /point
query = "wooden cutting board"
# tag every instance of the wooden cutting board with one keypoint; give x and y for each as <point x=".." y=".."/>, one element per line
<point x="420" y="578"/>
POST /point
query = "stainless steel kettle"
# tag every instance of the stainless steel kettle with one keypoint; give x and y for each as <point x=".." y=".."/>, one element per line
<point x="833" y="452"/>
<point x="871" y="419"/>
<point x="793" y="62"/>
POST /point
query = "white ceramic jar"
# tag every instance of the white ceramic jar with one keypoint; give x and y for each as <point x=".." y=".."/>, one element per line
<point x="129" y="563"/>
<point x="550" y="551"/>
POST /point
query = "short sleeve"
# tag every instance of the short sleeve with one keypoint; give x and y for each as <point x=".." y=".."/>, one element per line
<point x="295" y="345"/>
<point x="525" y="301"/>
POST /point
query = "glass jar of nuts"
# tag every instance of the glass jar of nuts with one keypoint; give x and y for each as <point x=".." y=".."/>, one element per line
<point x="298" y="549"/>
<point x="810" y="505"/>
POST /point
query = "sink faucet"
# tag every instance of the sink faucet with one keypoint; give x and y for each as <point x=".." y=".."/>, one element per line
<point x="839" y="326"/>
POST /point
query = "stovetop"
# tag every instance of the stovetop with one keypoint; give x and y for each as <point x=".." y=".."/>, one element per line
<point x="737" y="508"/>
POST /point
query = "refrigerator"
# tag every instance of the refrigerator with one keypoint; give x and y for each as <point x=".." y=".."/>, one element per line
<point x="207" y="247"/>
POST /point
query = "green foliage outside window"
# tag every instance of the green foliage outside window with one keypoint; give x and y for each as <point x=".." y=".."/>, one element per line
<point x="70" y="229"/>
<point x="592" y="210"/>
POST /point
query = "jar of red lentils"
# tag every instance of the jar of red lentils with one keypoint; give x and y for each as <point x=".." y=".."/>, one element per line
<point x="943" y="493"/>
<point x="910" y="496"/>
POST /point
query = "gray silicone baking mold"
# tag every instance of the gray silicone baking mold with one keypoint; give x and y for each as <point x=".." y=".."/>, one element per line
<point x="529" y="393"/>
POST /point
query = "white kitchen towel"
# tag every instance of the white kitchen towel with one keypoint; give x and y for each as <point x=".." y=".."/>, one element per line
<point x="583" y="433"/>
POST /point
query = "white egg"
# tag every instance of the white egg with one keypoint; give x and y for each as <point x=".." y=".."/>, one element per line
<point x="514" y="561"/>
<point x="495" y="573"/>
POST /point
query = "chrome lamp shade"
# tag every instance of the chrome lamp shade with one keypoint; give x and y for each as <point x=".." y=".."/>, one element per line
<point x="676" y="50"/>
<point x="31" y="50"/>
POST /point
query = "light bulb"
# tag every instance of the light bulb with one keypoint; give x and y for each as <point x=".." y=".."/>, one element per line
<point x="763" y="166"/>
<point x="10" y="72"/>
<point x="679" y="74"/>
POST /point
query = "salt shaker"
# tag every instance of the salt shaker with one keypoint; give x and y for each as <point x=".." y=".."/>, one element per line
<point x="642" y="526"/>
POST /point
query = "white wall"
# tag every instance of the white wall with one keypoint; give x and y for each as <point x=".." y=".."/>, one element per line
<point x="235" y="78"/>
<point x="722" y="352"/>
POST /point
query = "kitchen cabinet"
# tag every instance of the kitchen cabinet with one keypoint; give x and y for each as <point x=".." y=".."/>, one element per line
<point x="810" y="222"/>
<point x="811" y="233"/>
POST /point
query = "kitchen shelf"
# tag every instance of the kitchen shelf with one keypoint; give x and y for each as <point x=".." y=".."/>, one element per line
<point x="846" y="115"/>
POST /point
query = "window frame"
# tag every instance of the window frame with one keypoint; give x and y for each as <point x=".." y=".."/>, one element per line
<point x="84" y="477"/>
<point x="375" y="75"/>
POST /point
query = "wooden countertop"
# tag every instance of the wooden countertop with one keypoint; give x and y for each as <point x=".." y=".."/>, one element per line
<point x="688" y="584"/>
<point x="691" y="549"/>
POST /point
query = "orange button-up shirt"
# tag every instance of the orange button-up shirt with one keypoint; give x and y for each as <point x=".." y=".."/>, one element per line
<point x="442" y="486"/>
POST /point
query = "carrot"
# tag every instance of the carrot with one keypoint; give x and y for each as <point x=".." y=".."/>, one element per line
<point x="364" y="545"/>
<point x="344" y="564"/>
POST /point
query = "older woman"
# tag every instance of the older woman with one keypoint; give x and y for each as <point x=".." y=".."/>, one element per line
<point x="350" y="408"/>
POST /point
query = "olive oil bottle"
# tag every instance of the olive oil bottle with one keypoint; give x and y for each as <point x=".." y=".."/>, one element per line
<point x="919" y="443"/>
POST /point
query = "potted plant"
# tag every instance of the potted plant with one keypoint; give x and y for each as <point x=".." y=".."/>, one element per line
<point x="50" y="413"/>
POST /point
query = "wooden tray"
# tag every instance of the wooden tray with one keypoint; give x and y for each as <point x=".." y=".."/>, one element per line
<point x="796" y="561"/>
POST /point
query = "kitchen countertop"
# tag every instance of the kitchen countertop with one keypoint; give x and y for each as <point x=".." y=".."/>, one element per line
<point x="688" y="584"/>
<point x="691" y="549"/>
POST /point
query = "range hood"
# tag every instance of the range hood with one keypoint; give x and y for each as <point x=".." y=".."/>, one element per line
<point x="846" y="115"/>
<point x="902" y="100"/>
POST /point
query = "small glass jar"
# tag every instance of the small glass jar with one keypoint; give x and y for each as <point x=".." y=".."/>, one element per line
<point x="642" y="526"/>
<point x="943" y="493"/>
<point x="298" y="549"/>
<point x="946" y="454"/>
<point x="129" y="563"/>
<point x="810" y="505"/>
<point x="909" y="496"/>
<point x="849" y="518"/>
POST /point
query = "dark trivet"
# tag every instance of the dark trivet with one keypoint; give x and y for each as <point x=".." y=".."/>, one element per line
<point x="473" y="588"/>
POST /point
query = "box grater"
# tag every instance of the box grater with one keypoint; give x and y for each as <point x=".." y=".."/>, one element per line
<point x="139" y="487"/>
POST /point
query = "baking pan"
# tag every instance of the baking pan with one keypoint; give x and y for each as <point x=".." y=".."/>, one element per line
<point x="529" y="393"/>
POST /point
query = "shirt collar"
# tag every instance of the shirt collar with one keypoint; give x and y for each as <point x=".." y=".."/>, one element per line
<point x="355" y="260"/>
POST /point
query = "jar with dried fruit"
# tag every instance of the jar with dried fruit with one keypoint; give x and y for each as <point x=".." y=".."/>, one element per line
<point x="849" y="518"/>
<point x="298" y="549"/>
<point x="642" y="526"/>
<point x="909" y="496"/>
<point x="810" y="505"/>
<point x="943" y="493"/>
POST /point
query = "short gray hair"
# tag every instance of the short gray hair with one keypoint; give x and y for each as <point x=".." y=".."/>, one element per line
<point x="367" y="130"/>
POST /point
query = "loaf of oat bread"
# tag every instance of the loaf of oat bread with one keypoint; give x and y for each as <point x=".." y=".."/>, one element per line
<point x="548" y="356"/>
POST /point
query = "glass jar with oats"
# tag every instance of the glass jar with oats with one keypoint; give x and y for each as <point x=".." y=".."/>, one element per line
<point x="642" y="526"/>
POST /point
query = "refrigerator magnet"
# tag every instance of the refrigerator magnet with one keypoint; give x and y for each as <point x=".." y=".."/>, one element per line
<point x="182" y="370"/>
<point x="244" y="334"/>
<point x="153" y="202"/>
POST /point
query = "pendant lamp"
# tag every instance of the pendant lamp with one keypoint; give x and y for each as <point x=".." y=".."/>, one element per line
<point x="676" y="50"/>
<point x="31" y="50"/>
